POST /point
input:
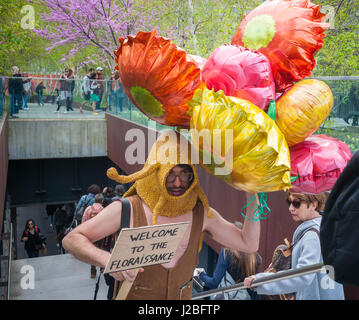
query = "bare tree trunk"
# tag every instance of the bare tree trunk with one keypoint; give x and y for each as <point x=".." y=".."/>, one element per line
<point x="192" y="26"/>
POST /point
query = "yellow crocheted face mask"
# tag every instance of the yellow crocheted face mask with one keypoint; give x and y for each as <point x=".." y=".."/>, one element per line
<point x="170" y="150"/>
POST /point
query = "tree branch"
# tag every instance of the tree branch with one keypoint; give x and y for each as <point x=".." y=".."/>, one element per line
<point x="109" y="25"/>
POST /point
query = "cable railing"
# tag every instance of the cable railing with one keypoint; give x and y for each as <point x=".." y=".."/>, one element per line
<point x="9" y="262"/>
<point x="66" y="98"/>
<point x="283" y="275"/>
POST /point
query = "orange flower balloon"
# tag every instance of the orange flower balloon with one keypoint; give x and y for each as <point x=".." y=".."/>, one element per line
<point x="302" y="109"/>
<point x="157" y="77"/>
<point x="288" y="33"/>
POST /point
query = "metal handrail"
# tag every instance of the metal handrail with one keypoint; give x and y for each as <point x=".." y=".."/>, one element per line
<point x="9" y="263"/>
<point x="270" y="278"/>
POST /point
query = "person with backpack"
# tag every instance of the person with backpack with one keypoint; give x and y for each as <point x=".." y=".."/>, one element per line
<point x="85" y="201"/>
<point x="90" y="213"/>
<point x="33" y="239"/>
<point x="306" y="251"/>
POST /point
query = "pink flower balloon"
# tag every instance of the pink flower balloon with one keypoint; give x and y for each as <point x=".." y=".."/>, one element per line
<point x="319" y="160"/>
<point x="241" y="73"/>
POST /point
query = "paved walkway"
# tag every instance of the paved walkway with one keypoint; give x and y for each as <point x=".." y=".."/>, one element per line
<point x="59" y="277"/>
<point x="48" y="112"/>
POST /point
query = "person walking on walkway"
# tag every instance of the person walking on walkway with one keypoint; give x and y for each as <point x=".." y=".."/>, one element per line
<point x="86" y="88"/>
<point x="32" y="238"/>
<point x="60" y="221"/>
<point x="27" y="91"/>
<point x="39" y="91"/>
<point x="16" y="89"/>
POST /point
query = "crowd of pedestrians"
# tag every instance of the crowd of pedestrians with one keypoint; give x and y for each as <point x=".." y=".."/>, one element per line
<point x="98" y="94"/>
<point x="64" y="217"/>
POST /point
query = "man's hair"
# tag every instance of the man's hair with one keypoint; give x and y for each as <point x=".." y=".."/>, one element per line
<point x="94" y="189"/>
<point x="119" y="189"/>
<point x="310" y="198"/>
<point x="91" y="69"/>
<point x="186" y="166"/>
<point x="99" y="198"/>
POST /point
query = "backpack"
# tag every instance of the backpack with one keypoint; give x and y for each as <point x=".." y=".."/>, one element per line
<point x="282" y="260"/>
<point x="93" y="213"/>
<point x="339" y="236"/>
<point x="241" y="294"/>
<point x="27" y="232"/>
<point x="81" y="209"/>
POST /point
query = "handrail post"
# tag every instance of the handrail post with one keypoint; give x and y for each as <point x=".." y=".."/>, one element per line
<point x="270" y="278"/>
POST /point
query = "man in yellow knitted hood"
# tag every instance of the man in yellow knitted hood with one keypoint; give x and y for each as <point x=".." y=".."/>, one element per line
<point x="166" y="190"/>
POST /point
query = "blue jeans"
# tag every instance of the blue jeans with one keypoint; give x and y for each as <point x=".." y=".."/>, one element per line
<point x="39" y="98"/>
<point x="98" y="103"/>
<point x="26" y="99"/>
<point x="15" y="103"/>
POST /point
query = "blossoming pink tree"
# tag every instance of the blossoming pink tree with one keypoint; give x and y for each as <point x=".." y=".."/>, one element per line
<point x="95" y="23"/>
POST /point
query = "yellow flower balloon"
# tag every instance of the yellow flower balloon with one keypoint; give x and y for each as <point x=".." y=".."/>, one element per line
<point x="256" y="159"/>
<point x="302" y="109"/>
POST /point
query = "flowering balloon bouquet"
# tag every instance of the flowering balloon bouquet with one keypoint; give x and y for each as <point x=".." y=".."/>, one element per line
<point x="254" y="89"/>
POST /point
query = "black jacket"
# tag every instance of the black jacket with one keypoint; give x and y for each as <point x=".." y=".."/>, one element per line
<point x="34" y="241"/>
<point x="16" y="84"/>
<point x="339" y="236"/>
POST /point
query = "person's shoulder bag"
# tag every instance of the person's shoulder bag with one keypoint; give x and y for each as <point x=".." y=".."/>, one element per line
<point x="282" y="260"/>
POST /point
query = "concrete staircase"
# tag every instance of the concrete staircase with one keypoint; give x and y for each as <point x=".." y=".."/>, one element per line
<point x="58" y="277"/>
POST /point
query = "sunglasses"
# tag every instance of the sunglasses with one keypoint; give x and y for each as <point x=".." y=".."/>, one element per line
<point x="296" y="203"/>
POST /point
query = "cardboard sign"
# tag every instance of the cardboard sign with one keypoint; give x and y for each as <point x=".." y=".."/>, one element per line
<point x="145" y="246"/>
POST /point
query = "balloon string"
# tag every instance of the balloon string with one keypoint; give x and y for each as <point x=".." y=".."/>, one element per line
<point x="261" y="212"/>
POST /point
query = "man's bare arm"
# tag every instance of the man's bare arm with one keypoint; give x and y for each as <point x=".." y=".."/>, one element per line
<point x="227" y="234"/>
<point x="79" y="242"/>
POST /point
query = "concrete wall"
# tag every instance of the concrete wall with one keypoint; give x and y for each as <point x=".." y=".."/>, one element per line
<point x="48" y="138"/>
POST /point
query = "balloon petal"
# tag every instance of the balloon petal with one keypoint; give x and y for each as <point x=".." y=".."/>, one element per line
<point x="289" y="33"/>
<point x="256" y="159"/>
<point x="158" y="77"/>
<point x="302" y="109"/>
<point x="240" y="73"/>
<point x="318" y="160"/>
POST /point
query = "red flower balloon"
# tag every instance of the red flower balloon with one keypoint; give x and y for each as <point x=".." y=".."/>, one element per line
<point x="288" y="33"/>
<point x="318" y="160"/>
<point x="158" y="77"/>
<point x="241" y="73"/>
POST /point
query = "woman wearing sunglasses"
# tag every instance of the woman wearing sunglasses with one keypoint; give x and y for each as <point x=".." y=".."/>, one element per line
<point x="306" y="250"/>
<point x="32" y="238"/>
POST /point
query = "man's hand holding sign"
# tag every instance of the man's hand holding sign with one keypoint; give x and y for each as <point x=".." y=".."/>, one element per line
<point x="143" y="246"/>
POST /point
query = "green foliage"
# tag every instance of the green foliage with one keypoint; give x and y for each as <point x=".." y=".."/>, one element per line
<point x="339" y="55"/>
<point x="349" y="135"/>
<point x="197" y="26"/>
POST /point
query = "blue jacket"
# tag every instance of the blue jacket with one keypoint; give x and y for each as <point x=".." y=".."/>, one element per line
<point x="314" y="286"/>
<point x="89" y="199"/>
<point x="219" y="272"/>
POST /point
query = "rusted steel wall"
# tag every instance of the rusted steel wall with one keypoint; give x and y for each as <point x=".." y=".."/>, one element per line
<point x="4" y="162"/>
<point x="221" y="196"/>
